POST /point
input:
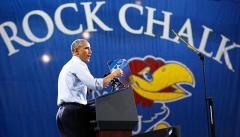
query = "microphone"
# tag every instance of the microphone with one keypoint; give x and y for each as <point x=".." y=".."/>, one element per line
<point x="190" y="46"/>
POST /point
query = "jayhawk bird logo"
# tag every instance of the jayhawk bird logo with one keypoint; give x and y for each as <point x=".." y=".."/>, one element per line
<point x="156" y="82"/>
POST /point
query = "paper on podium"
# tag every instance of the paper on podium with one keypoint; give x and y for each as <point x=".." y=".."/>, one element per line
<point x="122" y="64"/>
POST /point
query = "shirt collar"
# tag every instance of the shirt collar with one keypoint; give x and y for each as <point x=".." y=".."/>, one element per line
<point x="77" y="58"/>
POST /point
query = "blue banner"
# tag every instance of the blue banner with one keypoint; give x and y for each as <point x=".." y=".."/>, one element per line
<point x="167" y="78"/>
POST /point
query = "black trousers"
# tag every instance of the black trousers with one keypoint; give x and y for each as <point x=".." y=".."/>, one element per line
<point x="73" y="120"/>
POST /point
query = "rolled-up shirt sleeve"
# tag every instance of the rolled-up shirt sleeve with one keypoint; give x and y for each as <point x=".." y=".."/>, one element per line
<point x="86" y="77"/>
<point x="99" y="83"/>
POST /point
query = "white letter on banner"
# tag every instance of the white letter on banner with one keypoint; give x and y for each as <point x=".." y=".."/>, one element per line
<point x="165" y="23"/>
<point x="204" y="41"/>
<point x="59" y="23"/>
<point x="223" y="50"/>
<point x="8" y="39"/>
<point x="122" y="18"/>
<point x="90" y="16"/>
<point x="188" y="28"/>
<point x="28" y="31"/>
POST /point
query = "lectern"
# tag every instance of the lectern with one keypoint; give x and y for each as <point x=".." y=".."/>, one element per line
<point x="116" y="114"/>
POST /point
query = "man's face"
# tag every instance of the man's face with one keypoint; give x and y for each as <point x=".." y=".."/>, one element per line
<point x="84" y="52"/>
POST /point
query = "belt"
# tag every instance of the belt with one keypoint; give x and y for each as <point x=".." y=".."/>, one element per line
<point x="71" y="104"/>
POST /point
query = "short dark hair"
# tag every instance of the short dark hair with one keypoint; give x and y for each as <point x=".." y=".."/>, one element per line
<point x="78" y="43"/>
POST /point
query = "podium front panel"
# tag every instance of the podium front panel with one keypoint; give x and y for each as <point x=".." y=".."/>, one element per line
<point x="116" y="110"/>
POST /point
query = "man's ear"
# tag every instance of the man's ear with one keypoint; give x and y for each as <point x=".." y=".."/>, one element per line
<point x="74" y="51"/>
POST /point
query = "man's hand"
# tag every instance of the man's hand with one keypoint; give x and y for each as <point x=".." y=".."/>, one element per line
<point x="115" y="73"/>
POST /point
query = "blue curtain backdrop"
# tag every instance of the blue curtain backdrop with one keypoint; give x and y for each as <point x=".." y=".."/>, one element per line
<point x="137" y="30"/>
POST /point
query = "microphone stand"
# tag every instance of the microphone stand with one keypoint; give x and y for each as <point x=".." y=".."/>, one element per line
<point x="116" y="84"/>
<point x="208" y="99"/>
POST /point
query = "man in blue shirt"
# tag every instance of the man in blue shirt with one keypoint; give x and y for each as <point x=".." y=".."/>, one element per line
<point x="74" y="82"/>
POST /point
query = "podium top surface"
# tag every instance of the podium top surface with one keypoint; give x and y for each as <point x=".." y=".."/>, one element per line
<point x="92" y="101"/>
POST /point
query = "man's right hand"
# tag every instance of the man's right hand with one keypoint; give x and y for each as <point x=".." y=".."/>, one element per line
<point x="115" y="73"/>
